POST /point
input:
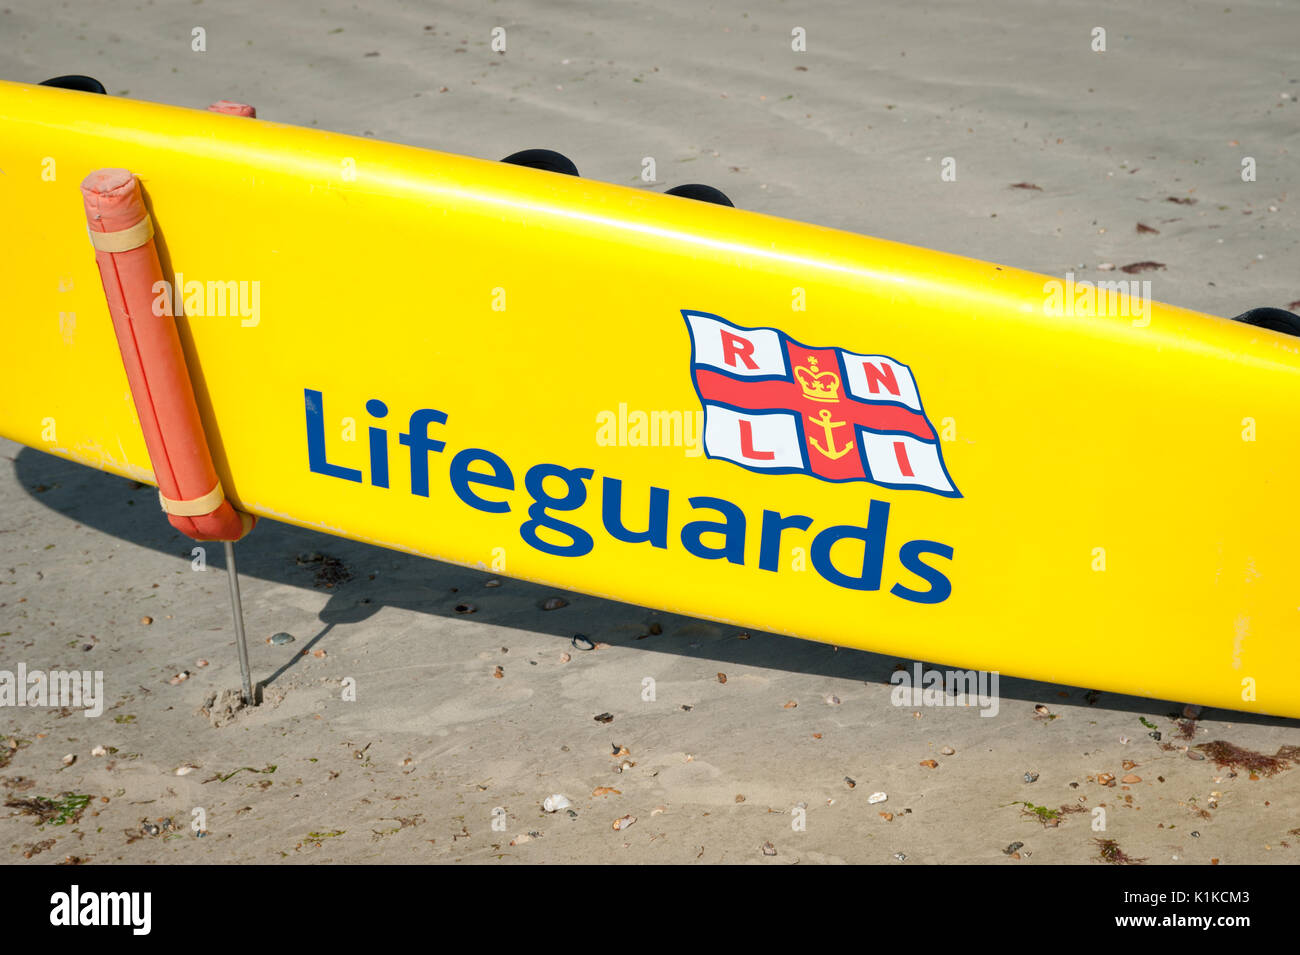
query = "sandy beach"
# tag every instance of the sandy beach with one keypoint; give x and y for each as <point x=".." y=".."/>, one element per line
<point x="475" y="703"/>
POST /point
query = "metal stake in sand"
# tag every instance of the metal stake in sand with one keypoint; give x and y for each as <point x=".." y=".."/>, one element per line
<point x="237" y="611"/>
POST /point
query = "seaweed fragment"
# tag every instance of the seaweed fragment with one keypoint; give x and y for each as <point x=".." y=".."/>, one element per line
<point x="1231" y="756"/>
<point x="330" y="571"/>
<point x="1048" y="817"/>
<point x="1108" y="850"/>
<point x="57" y="812"/>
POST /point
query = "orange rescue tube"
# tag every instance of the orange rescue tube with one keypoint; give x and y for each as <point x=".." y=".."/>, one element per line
<point x="122" y="233"/>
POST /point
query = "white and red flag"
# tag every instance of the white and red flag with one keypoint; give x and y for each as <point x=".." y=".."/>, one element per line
<point x="772" y="404"/>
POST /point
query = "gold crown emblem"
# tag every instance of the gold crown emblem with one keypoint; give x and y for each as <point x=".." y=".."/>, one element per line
<point x="818" y="386"/>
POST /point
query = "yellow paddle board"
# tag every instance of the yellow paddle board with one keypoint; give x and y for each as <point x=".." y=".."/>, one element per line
<point x="690" y="407"/>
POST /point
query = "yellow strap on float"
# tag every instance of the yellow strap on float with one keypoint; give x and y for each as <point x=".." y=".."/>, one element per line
<point x="195" y="506"/>
<point x="123" y="240"/>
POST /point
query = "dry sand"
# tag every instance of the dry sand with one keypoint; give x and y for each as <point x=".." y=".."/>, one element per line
<point x="849" y="134"/>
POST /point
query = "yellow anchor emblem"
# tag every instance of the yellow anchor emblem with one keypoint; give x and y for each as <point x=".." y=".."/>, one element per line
<point x="824" y="419"/>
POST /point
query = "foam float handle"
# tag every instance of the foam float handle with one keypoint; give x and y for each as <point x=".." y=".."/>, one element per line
<point x="233" y="109"/>
<point x="121" y="231"/>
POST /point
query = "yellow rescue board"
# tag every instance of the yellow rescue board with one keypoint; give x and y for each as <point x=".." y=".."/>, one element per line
<point x="677" y="404"/>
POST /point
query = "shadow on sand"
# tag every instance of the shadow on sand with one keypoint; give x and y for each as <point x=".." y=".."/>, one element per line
<point x="274" y="552"/>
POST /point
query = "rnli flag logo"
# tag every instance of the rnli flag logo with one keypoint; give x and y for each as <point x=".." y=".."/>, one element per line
<point x="774" y="405"/>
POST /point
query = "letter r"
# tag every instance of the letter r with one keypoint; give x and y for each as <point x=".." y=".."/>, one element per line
<point x="733" y="347"/>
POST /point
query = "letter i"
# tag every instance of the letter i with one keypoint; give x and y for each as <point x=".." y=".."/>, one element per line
<point x="378" y="445"/>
